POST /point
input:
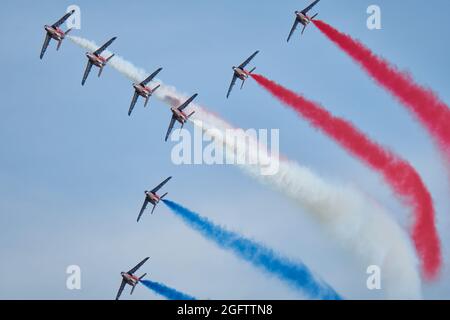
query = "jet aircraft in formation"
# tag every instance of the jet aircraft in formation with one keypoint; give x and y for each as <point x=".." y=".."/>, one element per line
<point x="152" y="197"/>
<point x="55" y="32"/>
<point x="144" y="90"/>
<point x="130" y="279"/>
<point x="95" y="58"/>
<point x="303" y="18"/>
<point x="241" y="73"/>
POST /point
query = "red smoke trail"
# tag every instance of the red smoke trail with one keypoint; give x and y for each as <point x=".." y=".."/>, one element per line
<point x="398" y="173"/>
<point x="432" y="113"/>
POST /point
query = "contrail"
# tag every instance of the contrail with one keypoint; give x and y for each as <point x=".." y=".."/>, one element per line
<point x="426" y="106"/>
<point x="344" y="212"/>
<point x="398" y="173"/>
<point x="165" y="291"/>
<point x="295" y="274"/>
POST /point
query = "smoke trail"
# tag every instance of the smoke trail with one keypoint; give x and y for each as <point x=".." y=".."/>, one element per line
<point x="398" y="173"/>
<point x="344" y="212"/>
<point x="296" y="274"/>
<point x="431" y="112"/>
<point x="165" y="291"/>
<point x="165" y="93"/>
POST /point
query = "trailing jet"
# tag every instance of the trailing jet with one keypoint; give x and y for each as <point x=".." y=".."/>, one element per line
<point x="141" y="89"/>
<point x="54" y="32"/>
<point x="153" y="198"/>
<point x="95" y="58"/>
<point x="179" y="115"/>
<point x="130" y="279"/>
<point x="241" y="73"/>
<point x="303" y="18"/>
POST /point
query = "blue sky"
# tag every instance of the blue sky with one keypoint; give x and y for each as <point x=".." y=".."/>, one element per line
<point x="74" y="166"/>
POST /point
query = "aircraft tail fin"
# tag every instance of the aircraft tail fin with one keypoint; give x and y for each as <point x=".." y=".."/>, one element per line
<point x="165" y="194"/>
<point x="191" y="114"/>
<point x="156" y="88"/>
<point x="110" y="57"/>
<point x="154" y="206"/>
<point x="242" y="85"/>
<point x="312" y="18"/>
<point x="68" y="30"/>
<point x="251" y="71"/>
<point x="303" y="30"/>
<point x="141" y="277"/>
<point x="59" y="45"/>
<point x="132" y="289"/>
<point x="146" y="101"/>
<point x="107" y="60"/>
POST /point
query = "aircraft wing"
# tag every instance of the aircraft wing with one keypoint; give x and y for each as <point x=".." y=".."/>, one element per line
<point x="144" y="206"/>
<point x="246" y="62"/>
<point x="133" y="102"/>
<point x="138" y="266"/>
<point x="150" y="78"/>
<point x="86" y="72"/>
<point x="186" y="103"/>
<point x="233" y="82"/>
<point x="161" y="185"/>
<point x="305" y="11"/>
<point x="293" y="29"/>
<point x="172" y="123"/>
<point x="45" y="45"/>
<point x="122" y="286"/>
<point x="63" y="19"/>
<point x="103" y="47"/>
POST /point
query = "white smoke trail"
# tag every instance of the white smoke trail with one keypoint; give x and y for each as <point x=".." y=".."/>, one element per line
<point x="353" y="220"/>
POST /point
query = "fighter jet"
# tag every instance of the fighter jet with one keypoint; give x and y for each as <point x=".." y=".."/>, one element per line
<point x="95" y="58"/>
<point x="303" y="18"/>
<point x="54" y="32"/>
<point x="179" y="115"/>
<point x="141" y="89"/>
<point x="153" y="198"/>
<point x="241" y="73"/>
<point x="130" y="278"/>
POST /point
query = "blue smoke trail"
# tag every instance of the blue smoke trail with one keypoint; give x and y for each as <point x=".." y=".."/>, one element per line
<point x="165" y="291"/>
<point x="296" y="274"/>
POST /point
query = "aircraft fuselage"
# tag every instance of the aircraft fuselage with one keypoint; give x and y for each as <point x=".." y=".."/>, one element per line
<point x="241" y="74"/>
<point x="143" y="91"/>
<point x="54" y="33"/>
<point x="98" y="61"/>
<point x="303" y="18"/>
<point x="180" y="116"/>
<point x="152" y="197"/>
<point x="129" y="278"/>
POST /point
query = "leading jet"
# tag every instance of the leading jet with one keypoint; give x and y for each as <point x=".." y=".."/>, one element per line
<point x="303" y="18"/>
<point x="55" y="32"/>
